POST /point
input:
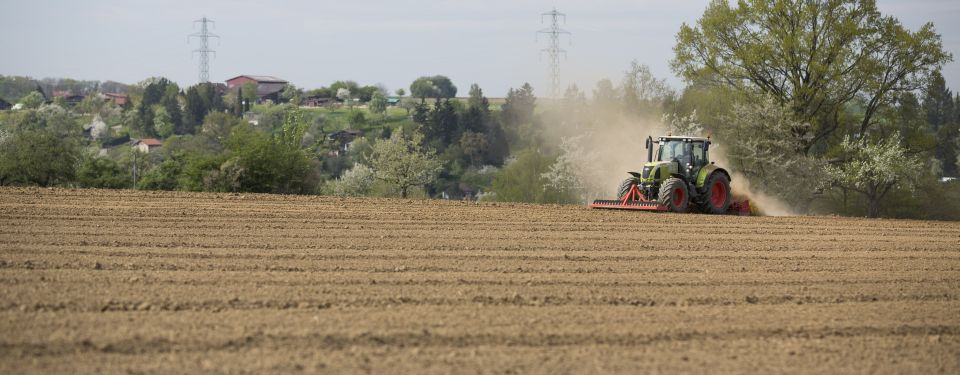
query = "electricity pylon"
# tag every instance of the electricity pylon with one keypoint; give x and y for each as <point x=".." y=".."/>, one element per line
<point x="204" y="49"/>
<point x="553" y="50"/>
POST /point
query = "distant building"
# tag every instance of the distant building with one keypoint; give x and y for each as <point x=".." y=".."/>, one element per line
<point x="393" y="100"/>
<point x="147" y="144"/>
<point x="316" y="101"/>
<point x="344" y="135"/>
<point x="5" y="105"/>
<point x="343" y="139"/>
<point x="69" y="98"/>
<point x="267" y="87"/>
<point x="118" y="99"/>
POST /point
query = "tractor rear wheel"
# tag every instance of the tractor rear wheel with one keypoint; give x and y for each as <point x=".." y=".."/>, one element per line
<point x="716" y="197"/>
<point x="674" y="195"/>
<point x="625" y="188"/>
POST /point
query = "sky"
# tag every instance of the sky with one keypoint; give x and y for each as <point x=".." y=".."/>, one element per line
<point x="313" y="43"/>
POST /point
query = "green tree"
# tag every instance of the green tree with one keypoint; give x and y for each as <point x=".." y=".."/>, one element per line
<point x="12" y="88"/>
<point x="409" y="104"/>
<point x="355" y="182"/>
<point x="33" y="100"/>
<point x="643" y="93"/>
<point x="474" y="147"/>
<point x="292" y="95"/>
<point x="91" y="104"/>
<point x="378" y="104"/>
<point x="44" y="148"/>
<point x="873" y="169"/>
<point x="102" y="173"/>
<point x="164" y="176"/>
<point x="478" y="111"/>
<point x="238" y="105"/>
<point x="521" y="180"/>
<point x="403" y="163"/>
<point x="356" y="118"/>
<point x="519" y="106"/>
<point x="753" y="137"/>
<point x="433" y="87"/>
<point x="250" y="94"/>
<point x="351" y="86"/>
<point x="443" y="126"/>
<point x="195" y="110"/>
<point x="574" y="174"/>
<point x="938" y="103"/>
<point x="814" y="56"/>
<point x="273" y="164"/>
<point x="216" y="128"/>
<point x="421" y="113"/>
<point x="941" y="115"/>
<point x="162" y="122"/>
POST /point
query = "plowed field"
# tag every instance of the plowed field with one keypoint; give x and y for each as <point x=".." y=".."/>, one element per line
<point x="127" y="281"/>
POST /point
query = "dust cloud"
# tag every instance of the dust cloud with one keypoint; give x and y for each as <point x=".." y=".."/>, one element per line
<point x="613" y="146"/>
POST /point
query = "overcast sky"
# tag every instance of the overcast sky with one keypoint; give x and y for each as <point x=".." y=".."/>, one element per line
<point x="313" y="43"/>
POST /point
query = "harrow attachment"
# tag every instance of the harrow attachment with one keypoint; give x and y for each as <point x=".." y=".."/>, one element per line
<point x="633" y="200"/>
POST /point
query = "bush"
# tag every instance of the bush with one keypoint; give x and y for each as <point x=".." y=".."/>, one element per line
<point x="357" y="181"/>
<point x="521" y="180"/>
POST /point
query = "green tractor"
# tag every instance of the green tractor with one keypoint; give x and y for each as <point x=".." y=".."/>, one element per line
<point x="681" y="179"/>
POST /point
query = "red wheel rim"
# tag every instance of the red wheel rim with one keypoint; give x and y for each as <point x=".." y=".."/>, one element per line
<point x="718" y="195"/>
<point x="677" y="197"/>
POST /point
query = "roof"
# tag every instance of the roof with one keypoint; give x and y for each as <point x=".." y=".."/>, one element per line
<point x="265" y="91"/>
<point x="683" y="137"/>
<point x="261" y="79"/>
<point x="347" y="133"/>
<point x="114" y="95"/>
<point x="150" y="142"/>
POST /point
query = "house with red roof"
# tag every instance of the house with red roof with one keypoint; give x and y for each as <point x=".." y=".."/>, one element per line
<point x="268" y="87"/>
<point x="146" y="145"/>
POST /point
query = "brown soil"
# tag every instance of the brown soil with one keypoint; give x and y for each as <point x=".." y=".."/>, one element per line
<point x="126" y="281"/>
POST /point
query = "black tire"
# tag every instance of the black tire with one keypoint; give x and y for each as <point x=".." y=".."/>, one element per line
<point x="716" y="194"/>
<point x="674" y="195"/>
<point x="625" y="188"/>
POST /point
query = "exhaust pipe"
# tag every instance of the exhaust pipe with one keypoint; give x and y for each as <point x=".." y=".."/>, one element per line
<point x="649" y="149"/>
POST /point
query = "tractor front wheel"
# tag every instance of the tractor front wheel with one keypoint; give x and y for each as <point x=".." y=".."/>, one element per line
<point x="674" y="195"/>
<point x="625" y="188"/>
<point x="716" y="197"/>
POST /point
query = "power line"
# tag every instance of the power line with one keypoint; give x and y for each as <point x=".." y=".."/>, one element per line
<point x="204" y="49"/>
<point x="553" y="50"/>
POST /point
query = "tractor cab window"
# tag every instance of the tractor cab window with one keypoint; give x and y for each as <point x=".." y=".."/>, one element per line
<point x="671" y="149"/>
<point x="691" y="152"/>
<point x="699" y="154"/>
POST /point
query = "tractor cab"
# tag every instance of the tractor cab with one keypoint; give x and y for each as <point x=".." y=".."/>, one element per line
<point x="687" y="154"/>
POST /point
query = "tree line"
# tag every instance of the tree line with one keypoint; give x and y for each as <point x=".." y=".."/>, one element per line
<point x="829" y="106"/>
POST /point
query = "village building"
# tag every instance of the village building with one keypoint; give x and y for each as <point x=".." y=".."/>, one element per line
<point x="118" y="99"/>
<point x="316" y="101"/>
<point x="146" y="145"/>
<point x="343" y="139"/>
<point x="69" y="98"/>
<point x="268" y="88"/>
<point x="5" y="105"/>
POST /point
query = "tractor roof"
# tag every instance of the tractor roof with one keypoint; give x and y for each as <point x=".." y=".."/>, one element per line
<point x="681" y="137"/>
